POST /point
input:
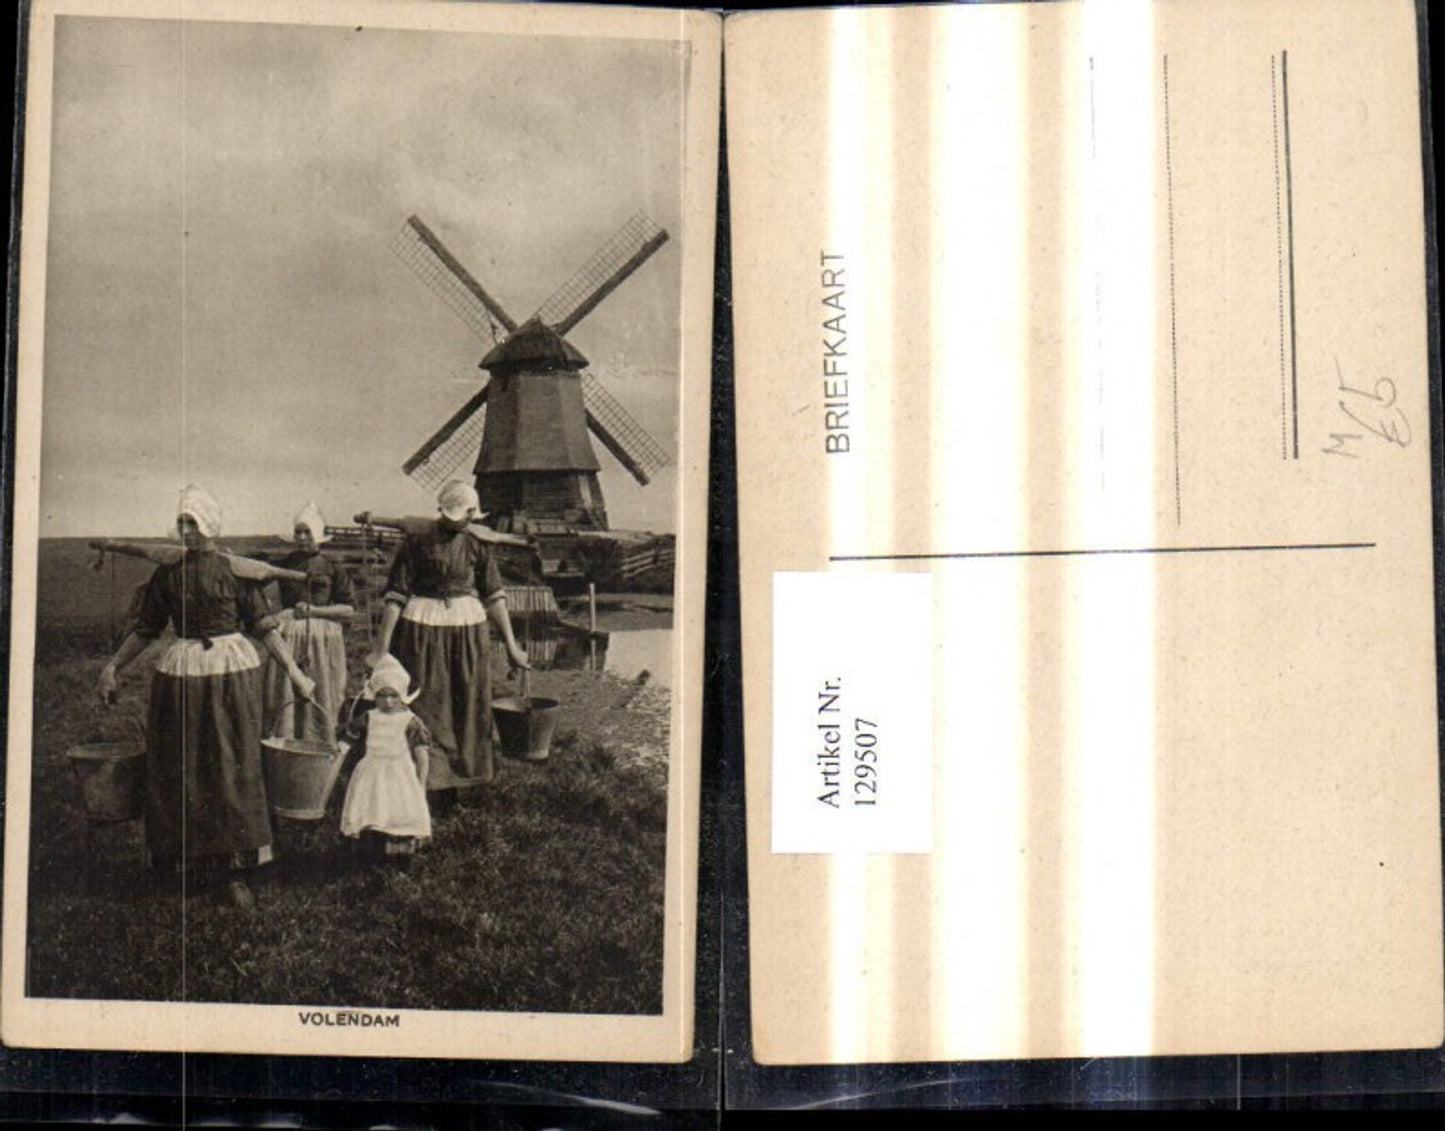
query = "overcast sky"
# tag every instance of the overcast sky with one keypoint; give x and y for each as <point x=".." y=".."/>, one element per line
<point x="223" y="305"/>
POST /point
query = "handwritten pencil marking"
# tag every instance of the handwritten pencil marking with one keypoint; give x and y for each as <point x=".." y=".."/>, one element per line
<point x="1372" y="409"/>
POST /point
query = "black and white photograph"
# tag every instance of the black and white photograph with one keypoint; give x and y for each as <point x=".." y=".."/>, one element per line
<point x="360" y="490"/>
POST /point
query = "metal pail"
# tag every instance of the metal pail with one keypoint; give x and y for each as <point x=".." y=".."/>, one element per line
<point x="525" y="725"/>
<point x="300" y="774"/>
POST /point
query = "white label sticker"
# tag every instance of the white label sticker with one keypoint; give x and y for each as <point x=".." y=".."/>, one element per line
<point x="852" y="712"/>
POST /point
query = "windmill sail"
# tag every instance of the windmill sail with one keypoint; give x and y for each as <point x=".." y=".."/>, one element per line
<point x="428" y="258"/>
<point x="449" y="452"/>
<point x="562" y="488"/>
<point x="620" y="434"/>
<point x="613" y="262"/>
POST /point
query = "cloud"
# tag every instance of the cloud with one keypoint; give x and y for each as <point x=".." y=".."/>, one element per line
<point x="222" y="303"/>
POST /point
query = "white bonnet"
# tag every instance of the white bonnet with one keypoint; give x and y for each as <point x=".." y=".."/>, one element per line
<point x="457" y="498"/>
<point x="309" y="516"/>
<point x="389" y="673"/>
<point x="201" y="506"/>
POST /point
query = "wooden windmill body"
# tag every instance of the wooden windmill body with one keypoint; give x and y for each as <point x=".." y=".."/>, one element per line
<point x="536" y="467"/>
<point x="526" y="434"/>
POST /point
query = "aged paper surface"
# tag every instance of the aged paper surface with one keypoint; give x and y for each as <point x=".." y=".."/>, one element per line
<point x="212" y="198"/>
<point x="1104" y="324"/>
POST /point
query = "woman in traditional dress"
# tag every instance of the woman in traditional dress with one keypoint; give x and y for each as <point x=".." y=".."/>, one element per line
<point x="443" y="589"/>
<point x="309" y="623"/>
<point x="205" y="810"/>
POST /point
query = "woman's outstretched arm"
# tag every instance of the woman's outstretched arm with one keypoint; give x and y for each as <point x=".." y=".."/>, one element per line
<point x="131" y="647"/>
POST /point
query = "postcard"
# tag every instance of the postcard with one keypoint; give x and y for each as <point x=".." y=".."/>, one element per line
<point x="1085" y="532"/>
<point x="360" y="495"/>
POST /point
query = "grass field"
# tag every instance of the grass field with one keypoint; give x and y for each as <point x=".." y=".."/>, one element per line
<point x="542" y="893"/>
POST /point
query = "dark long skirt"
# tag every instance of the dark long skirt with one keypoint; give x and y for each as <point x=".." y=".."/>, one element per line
<point x="450" y="666"/>
<point x="205" y="792"/>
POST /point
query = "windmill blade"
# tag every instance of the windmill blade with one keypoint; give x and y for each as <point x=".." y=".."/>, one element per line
<point x="444" y="455"/>
<point x="417" y="246"/>
<point x="619" y="433"/>
<point x="618" y="258"/>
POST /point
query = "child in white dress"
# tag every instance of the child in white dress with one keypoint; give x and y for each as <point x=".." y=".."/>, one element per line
<point x="385" y="808"/>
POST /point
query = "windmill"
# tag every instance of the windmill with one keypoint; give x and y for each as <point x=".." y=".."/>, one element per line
<point x="526" y="431"/>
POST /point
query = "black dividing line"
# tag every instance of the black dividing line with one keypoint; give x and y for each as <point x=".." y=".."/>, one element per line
<point x="1093" y="149"/>
<point x="1120" y="550"/>
<point x="1289" y="231"/>
<point x="1098" y="282"/>
<point x="1173" y="332"/>
<point x="1279" y="258"/>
